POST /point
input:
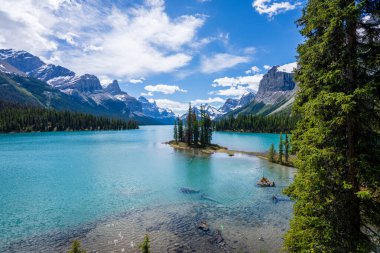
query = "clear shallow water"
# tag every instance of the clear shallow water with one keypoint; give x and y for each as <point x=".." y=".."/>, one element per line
<point x="53" y="182"/>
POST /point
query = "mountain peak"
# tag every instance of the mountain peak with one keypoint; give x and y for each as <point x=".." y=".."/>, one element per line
<point x="113" y="88"/>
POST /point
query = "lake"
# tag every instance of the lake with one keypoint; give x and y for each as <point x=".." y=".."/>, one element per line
<point x="110" y="188"/>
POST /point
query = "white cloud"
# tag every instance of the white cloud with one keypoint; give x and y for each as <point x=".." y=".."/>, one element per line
<point x="220" y="62"/>
<point x="289" y="68"/>
<point x="237" y="86"/>
<point x="178" y="108"/>
<point x="163" y="88"/>
<point x="252" y="81"/>
<point x="207" y="101"/>
<point x="137" y="81"/>
<point x="267" y="67"/>
<point x="253" y="69"/>
<point x="236" y="92"/>
<point x="272" y="8"/>
<point x="102" y="40"/>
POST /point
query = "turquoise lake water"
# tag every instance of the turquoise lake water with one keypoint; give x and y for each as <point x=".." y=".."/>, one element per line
<point x="55" y="186"/>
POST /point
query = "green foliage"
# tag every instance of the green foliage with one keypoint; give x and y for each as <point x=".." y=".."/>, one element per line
<point x="195" y="129"/>
<point x="189" y="128"/>
<point x="287" y="145"/>
<point x="258" y="123"/>
<point x="175" y="130"/>
<point x="180" y="129"/>
<point x="280" y="150"/>
<point x="271" y="153"/>
<point x="198" y="131"/>
<point x="337" y="140"/>
<point x="17" y="118"/>
<point x="145" y="245"/>
<point x="76" y="247"/>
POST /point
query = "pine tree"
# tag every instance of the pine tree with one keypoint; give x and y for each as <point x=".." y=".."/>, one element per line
<point x="175" y="134"/>
<point x="180" y="129"/>
<point x="271" y="153"/>
<point x="189" y="128"/>
<point x="337" y="140"/>
<point x="280" y="150"/>
<point x="286" y="144"/>
<point x="145" y="245"/>
<point x="203" y="134"/>
<point x="195" y="128"/>
<point x="76" y="247"/>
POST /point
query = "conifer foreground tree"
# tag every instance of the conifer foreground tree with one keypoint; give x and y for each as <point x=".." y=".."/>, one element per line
<point x="280" y="150"/>
<point x="337" y="187"/>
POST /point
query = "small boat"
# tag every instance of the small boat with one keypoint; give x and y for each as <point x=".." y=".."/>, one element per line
<point x="265" y="182"/>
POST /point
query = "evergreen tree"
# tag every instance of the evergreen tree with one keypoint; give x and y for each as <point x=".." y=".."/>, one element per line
<point x="258" y="123"/>
<point x="76" y="247"/>
<point x="337" y="139"/>
<point x="145" y="245"/>
<point x="175" y="134"/>
<point x="280" y="150"/>
<point x="180" y="129"/>
<point x="286" y="144"/>
<point x="195" y="128"/>
<point x="189" y="128"/>
<point x="19" y="118"/>
<point x="203" y="134"/>
<point x="271" y="153"/>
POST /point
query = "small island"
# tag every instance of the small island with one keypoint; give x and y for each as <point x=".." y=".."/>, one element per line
<point x="196" y="135"/>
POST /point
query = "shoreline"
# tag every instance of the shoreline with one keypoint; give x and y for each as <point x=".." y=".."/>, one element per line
<point x="215" y="148"/>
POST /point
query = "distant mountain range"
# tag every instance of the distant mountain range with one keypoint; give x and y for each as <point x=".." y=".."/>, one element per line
<point x="275" y="95"/>
<point x="25" y="79"/>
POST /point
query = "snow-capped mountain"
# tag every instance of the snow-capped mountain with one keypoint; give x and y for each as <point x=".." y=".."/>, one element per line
<point x="84" y="88"/>
<point x="152" y="110"/>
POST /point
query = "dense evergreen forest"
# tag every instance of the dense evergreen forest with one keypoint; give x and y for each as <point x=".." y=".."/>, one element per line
<point x="337" y="186"/>
<point x="19" y="118"/>
<point x="257" y="123"/>
<point x="196" y="132"/>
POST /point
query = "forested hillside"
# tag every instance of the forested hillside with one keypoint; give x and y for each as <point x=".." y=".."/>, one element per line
<point x="19" y="118"/>
<point x="258" y="123"/>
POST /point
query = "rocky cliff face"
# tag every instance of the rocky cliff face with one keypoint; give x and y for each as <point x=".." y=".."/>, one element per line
<point x="113" y="88"/>
<point x="21" y="60"/>
<point x="50" y="71"/>
<point x="229" y="105"/>
<point x="275" y="94"/>
<point x="275" y="85"/>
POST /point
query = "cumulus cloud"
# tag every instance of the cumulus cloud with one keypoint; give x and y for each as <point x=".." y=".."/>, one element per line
<point x="178" y="108"/>
<point x="163" y="88"/>
<point x="137" y="81"/>
<point x="267" y="67"/>
<point x="219" y="62"/>
<point x="237" y="86"/>
<point x="93" y="38"/>
<point x="253" y="69"/>
<point x="207" y="101"/>
<point x="252" y="81"/>
<point x="272" y="8"/>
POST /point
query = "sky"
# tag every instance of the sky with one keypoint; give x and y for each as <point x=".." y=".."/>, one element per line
<point x="170" y="51"/>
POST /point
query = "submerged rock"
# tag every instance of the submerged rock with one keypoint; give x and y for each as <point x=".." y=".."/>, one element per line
<point x="189" y="190"/>
<point x="203" y="226"/>
<point x="264" y="182"/>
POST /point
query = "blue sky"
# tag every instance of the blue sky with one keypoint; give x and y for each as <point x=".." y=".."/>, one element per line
<point x="170" y="51"/>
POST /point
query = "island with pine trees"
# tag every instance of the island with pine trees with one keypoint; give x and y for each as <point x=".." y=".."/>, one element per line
<point x="195" y="134"/>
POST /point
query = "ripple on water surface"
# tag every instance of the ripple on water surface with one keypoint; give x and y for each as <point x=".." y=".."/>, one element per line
<point x="110" y="188"/>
